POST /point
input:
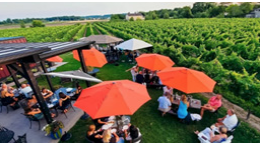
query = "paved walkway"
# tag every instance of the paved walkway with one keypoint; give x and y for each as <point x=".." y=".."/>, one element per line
<point x="18" y="123"/>
<point x="241" y="113"/>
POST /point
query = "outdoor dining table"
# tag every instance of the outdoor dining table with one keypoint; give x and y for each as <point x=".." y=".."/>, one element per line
<point x="193" y="103"/>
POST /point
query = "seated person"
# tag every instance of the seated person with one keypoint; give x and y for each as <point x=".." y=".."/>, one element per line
<point x="25" y="90"/>
<point x="109" y="137"/>
<point x="77" y="93"/>
<point x="213" y="104"/>
<point x="211" y="137"/>
<point x="32" y="101"/>
<point x="168" y="89"/>
<point x="7" y="98"/>
<point x="37" y="113"/>
<point x="93" y="135"/>
<point x="46" y="93"/>
<point x="154" y="79"/>
<point x="134" y="133"/>
<point x="99" y="122"/>
<point x="229" y="121"/>
<point x="64" y="102"/>
<point x="164" y="103"/>
<point x="139" y="78"/>
<point x="183" y="107"/>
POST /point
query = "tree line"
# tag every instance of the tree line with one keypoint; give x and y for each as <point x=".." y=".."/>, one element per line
<point x="30" y="20"/>
<point x="199" y="10"/>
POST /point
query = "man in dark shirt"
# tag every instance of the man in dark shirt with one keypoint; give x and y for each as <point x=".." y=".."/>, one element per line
<point x="139" y="78"/>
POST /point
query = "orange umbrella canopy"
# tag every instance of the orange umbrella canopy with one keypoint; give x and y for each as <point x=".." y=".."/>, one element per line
<point x="110" y="98"/>
<point x="55" y="59"/>
<point x="186" y="80"/>
<point x="154" y="61"/>
<point x="92" y="57"/>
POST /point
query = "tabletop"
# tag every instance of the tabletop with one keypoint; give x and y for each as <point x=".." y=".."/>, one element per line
<point x="194" y="103"/>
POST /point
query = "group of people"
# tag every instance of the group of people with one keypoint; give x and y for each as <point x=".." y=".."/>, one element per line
<point x="223" y="125"/>
<point x="96" y="134"/>
<point x="29" y="102"/>
<point x="144" y="75"/>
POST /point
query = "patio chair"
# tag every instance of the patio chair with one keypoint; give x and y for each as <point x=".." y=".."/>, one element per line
<point x="21" y="139"/>
<point x="2" y="103"/>
<point x="6" y="135"/>
<point x="93" y="72"/>
<point x="231" y="132"/>
<point x="31" y="118"/>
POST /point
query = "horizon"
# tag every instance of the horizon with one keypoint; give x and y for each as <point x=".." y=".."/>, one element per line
<point x="22" y="10"/>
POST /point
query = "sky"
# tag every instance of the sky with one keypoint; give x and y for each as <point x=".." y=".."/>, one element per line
<point x="50" y="9"/>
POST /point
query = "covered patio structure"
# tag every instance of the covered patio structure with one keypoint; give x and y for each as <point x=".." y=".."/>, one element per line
<point x="18" y="56"/>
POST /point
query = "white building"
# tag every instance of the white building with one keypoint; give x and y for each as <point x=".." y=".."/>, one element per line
<point x="135" y="16"/>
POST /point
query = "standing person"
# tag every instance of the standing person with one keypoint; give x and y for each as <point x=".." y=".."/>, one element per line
<point x="146" y="76"/>
<point x="213" y="104"/>
<point x="164" y="103"/>
<point x="134" y="70"/>
<point x="139" y="78"/>
<point x="183" y="107"/>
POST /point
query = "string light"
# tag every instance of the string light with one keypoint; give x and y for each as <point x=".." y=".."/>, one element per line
<point x="1" y="68"/>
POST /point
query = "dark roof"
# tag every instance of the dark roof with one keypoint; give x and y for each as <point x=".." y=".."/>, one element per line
<point x="15" y="51"/>
<point x="9" y="38"/>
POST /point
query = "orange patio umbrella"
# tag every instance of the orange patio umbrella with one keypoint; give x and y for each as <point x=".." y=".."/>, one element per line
<point x="55" y="59"/>
<point x="92" y="57"/>
<point x="186" y="80"/>
<point x="154" y="61"/>
<point x="109" y="98"/>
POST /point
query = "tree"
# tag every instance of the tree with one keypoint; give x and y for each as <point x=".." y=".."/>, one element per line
<point x="37" y="23"/>
<point x="186" y="12"/>
<point x="8" y="21"/>
<point x="166" y="16"/>
<point x="234" y="11"/>
<point x="215" y="11"/>
<point x="131" y="19"/>
<point x="246" y="7"/>
<point x="22" y="25"/>
<point x="202" y="6"/>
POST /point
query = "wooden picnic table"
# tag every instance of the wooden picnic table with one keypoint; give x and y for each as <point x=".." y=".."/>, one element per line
<point x="193" y="103"/>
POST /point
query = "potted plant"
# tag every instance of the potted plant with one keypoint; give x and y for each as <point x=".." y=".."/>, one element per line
<point x="54" y="129"/>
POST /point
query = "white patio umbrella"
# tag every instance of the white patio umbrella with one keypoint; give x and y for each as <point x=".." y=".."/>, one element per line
<point x="133" y="44"/>
<point x="74" y="75"/>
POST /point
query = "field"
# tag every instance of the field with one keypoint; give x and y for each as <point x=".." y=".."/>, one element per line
<point x="227" y="50"/>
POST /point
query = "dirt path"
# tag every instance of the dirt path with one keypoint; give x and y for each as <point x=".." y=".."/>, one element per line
<point x="84" y="35"/>
<point x="241" y="113"/>
<point x="96" y="29"/>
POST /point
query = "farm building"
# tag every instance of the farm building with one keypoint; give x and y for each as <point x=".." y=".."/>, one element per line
<point x="3" y="69"/>
<point x="254" y="14"/>
<point x="135" y="16"/>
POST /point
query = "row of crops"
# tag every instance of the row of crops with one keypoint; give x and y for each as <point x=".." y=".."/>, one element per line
<point x="46" y="34"/>
<point x="225" y="49"/>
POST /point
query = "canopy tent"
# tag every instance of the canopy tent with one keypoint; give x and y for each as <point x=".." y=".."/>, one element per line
<point x="102" y="39"/>
<point x="77" y="74"/>
<point x="133" y="44"/>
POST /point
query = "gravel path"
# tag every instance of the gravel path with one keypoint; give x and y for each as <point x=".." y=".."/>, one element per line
<point x="240" y="112"/>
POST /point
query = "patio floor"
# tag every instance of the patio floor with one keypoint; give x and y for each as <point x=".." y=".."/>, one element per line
<point x="18" y="123"/>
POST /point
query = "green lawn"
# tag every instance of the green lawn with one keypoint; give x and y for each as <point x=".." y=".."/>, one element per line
<point x="154" y="128"/>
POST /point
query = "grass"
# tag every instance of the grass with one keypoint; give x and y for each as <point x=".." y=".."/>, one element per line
<point x="154" y="128"/>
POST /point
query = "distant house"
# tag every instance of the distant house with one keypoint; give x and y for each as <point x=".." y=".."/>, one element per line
<point x="135" y="16"/>
<point x="254" y="14"/>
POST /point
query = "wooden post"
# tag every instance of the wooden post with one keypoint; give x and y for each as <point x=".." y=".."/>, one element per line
<point x="84" y="68"/>
<point x="13" y="74"/>
<point x="33" y="83"/>
<point x="47" y="77"/>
